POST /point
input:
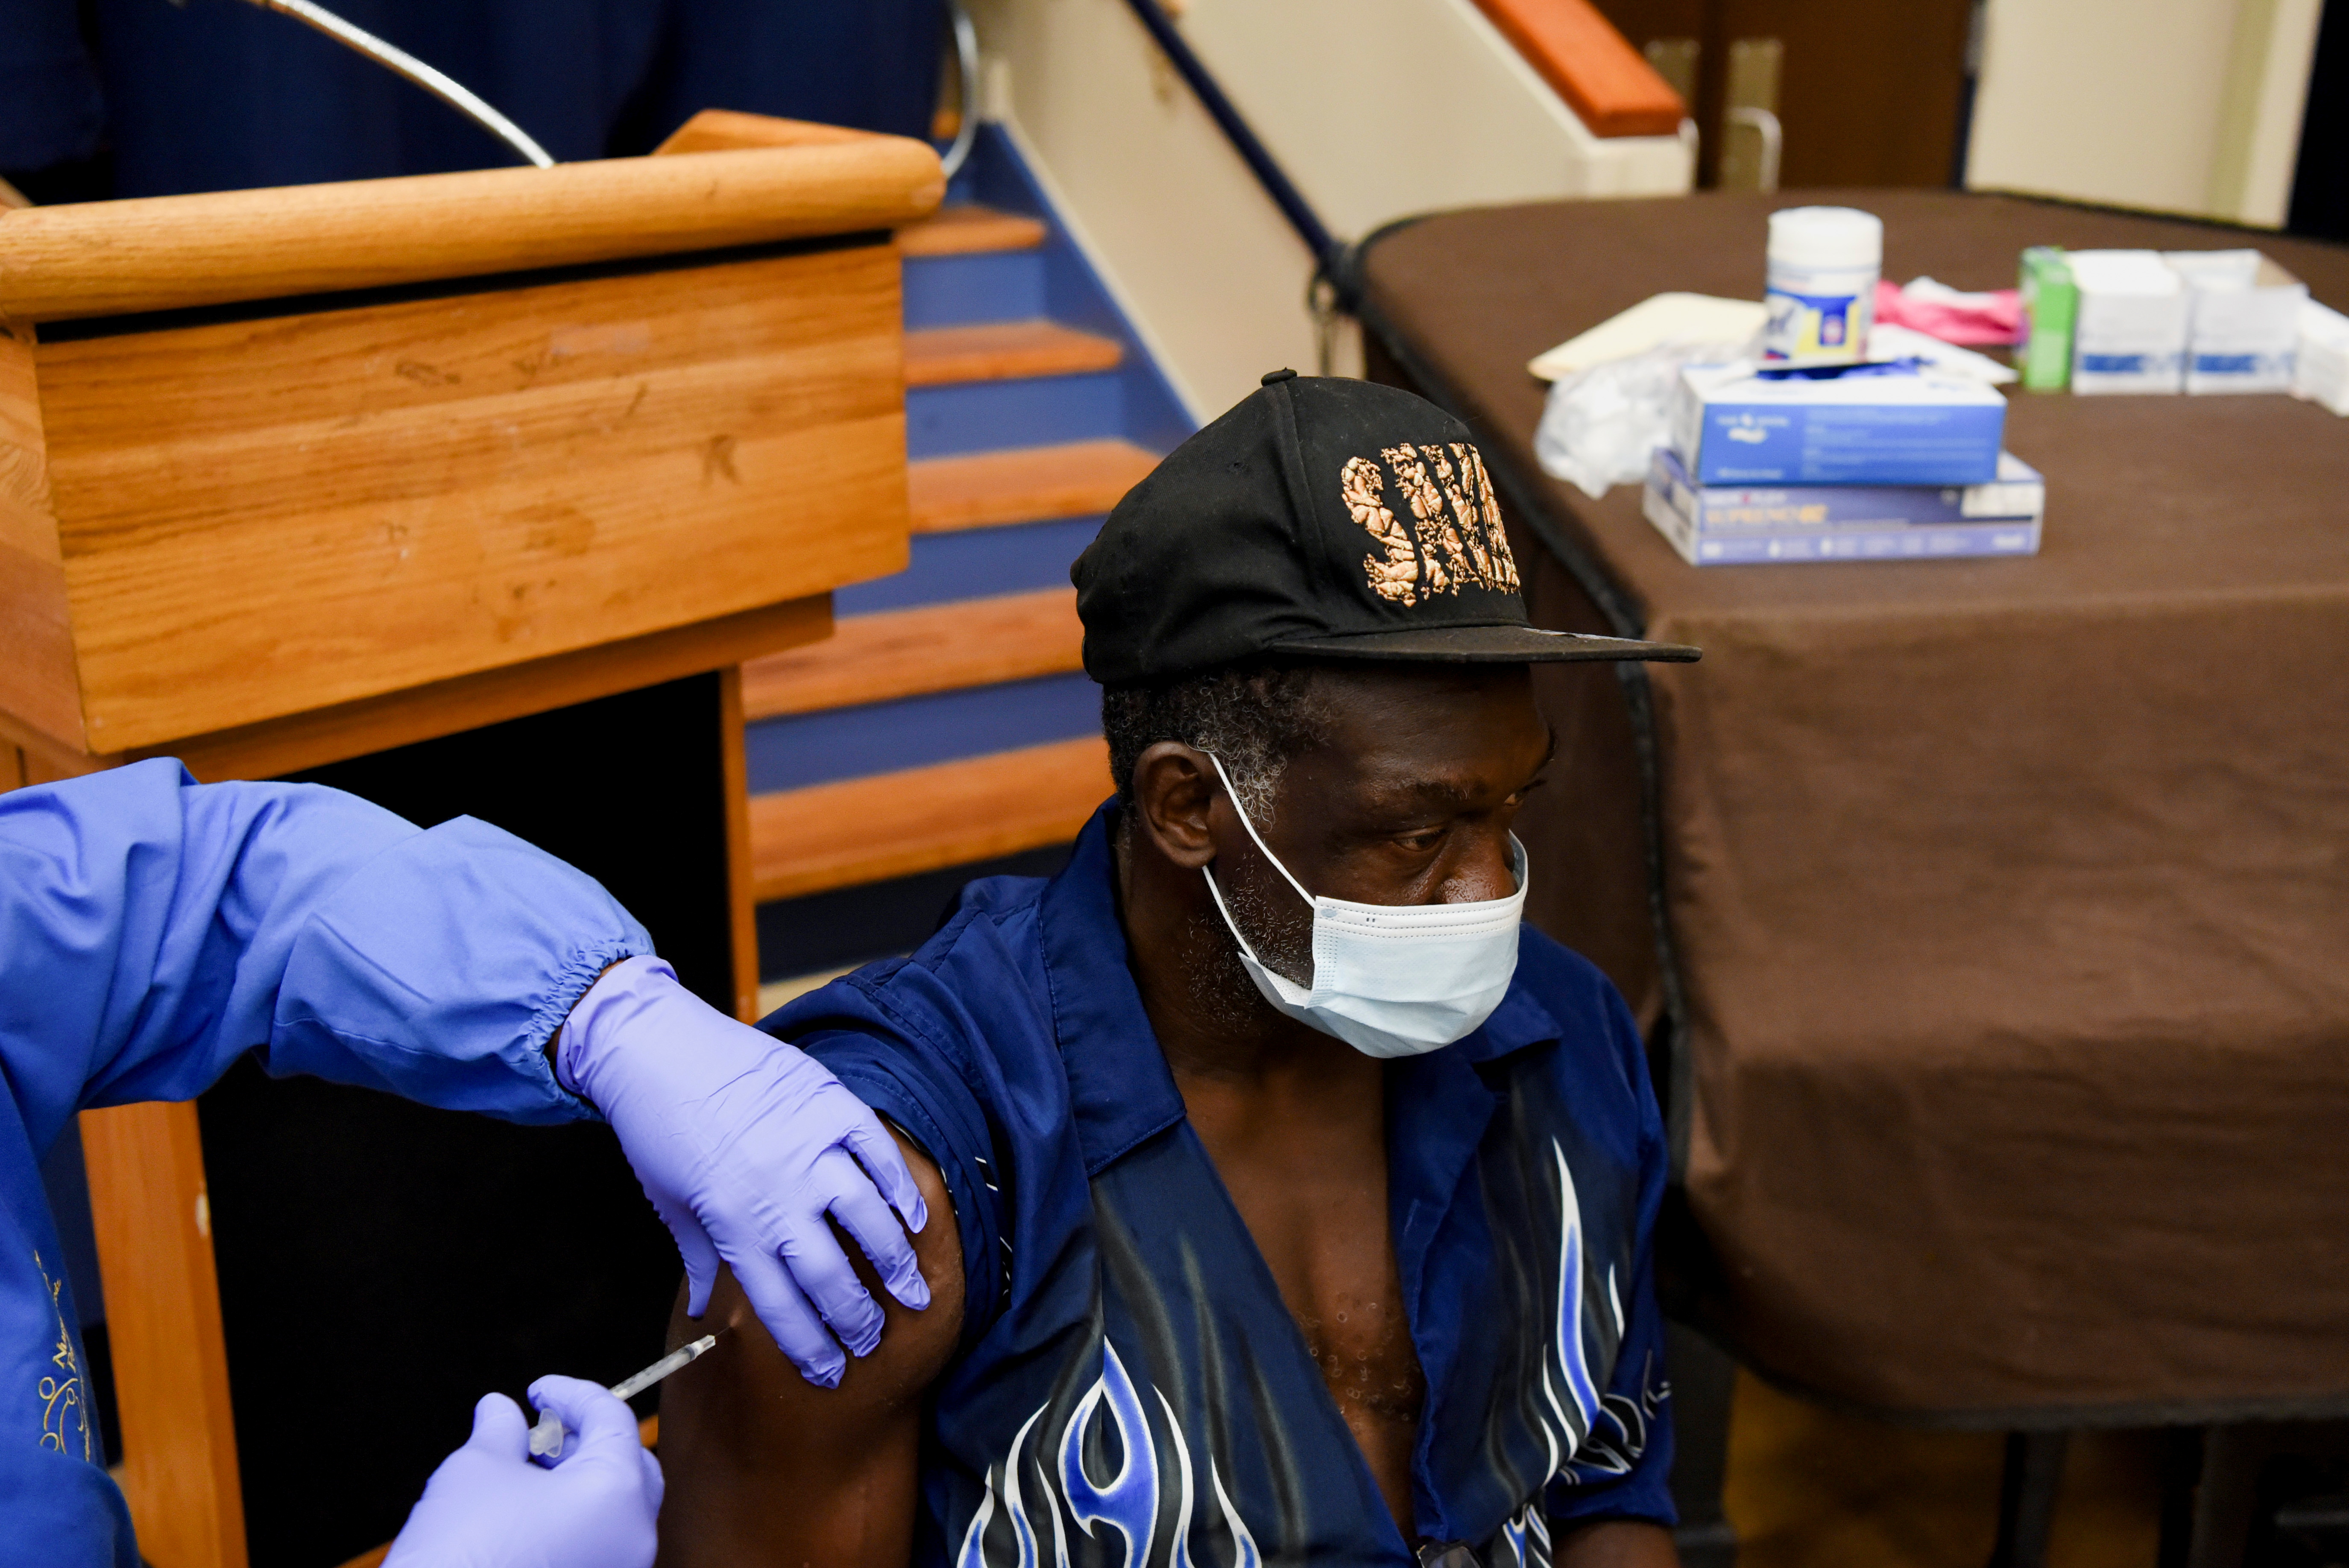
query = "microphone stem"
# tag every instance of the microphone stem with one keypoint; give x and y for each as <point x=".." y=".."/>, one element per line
<point x="444" y="88"/>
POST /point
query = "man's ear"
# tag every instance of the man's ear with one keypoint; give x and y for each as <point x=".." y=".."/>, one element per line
<point x="1175" y="789"/>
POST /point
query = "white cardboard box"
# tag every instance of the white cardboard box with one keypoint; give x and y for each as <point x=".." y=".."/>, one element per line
<point x="2320" y="367"/>
<point x="2131" y="330"/>
<point x="2243" y="327"/>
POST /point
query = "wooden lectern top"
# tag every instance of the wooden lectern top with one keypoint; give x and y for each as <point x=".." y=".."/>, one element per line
<point x="171" y="252"/>
<point x="290" y="475"/>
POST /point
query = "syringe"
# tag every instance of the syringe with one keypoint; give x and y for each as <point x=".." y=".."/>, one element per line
<point x="547" y="1437"/>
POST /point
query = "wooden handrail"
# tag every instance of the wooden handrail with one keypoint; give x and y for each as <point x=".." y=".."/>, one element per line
<point x="1606" y="81"/>
<point x="168" y="253"/>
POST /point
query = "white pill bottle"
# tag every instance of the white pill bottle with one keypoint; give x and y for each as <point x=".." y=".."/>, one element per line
<point x="1824" y="264"/>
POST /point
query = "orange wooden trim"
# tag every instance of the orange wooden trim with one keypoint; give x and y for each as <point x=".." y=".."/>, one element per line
<point x="949" y="814"/>
<point x="37" y="673"/>
<point x="998" y="350"/>
<point x="153" y="1220"/>
<point x="47" y="759"/>
<point x="934" y="647"/>
<point x="166" y="253"/>
<point x="960" y="231"/>
<point x="742" y="914"/>
<point x="353" y="730"/>
<point x="1027" y="484"/>
<point x="1606" y="81"/>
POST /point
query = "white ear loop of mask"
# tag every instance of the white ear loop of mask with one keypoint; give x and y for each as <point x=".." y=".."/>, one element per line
<point x="1390" y="980"/>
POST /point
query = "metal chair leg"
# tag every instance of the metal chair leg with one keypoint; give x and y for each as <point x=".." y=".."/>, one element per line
<point x="2026" y="1497"/>
<point x="1703" y="1378"/>
<point x="2181" y="1471"/>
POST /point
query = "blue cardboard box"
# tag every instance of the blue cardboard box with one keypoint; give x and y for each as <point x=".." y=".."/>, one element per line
<point x="1716" y="525"/>
<point x="1847" y="425"/>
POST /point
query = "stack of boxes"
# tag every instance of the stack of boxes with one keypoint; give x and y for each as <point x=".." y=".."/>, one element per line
<point x="2160" y="321"/>
<point x="1850" y="463"/>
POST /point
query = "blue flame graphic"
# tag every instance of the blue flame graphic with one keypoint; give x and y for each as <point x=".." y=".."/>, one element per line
<point x="1126" y="1501"/>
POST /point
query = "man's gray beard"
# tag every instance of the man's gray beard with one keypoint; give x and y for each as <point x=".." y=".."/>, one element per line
<point x="1221" y="990"/>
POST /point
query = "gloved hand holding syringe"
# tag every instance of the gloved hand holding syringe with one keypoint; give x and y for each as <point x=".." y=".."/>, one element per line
<point x="547" y="1437"/>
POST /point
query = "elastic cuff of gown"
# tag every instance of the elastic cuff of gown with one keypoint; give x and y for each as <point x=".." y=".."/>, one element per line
<point x="573" y="980"/>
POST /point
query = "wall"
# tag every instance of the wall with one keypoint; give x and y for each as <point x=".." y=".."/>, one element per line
<point x="2180" y="106"/>
<point x="1377" y="109"/>
<point x="1381" y="107"/>
<point x="1202" y="264"/>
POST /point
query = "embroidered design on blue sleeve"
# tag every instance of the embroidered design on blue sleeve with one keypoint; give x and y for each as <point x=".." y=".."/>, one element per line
<point x="65" y="1416"/>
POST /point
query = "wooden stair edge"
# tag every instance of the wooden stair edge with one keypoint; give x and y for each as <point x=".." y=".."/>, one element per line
<point x="967" y="228"/>
<point x="891" y="653"/>
<point x="1024" y="484"/>
<point x="1005" y="350"/>
<point x="898" y="824"/>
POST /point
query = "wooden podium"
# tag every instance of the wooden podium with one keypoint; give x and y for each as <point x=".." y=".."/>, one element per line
<point x="434" y="469"/>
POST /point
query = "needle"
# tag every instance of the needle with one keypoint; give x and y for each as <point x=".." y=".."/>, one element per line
<point x="547" y="1437"/>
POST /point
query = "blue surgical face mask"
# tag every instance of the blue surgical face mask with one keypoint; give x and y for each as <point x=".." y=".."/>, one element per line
<point x="1392" y="979"/>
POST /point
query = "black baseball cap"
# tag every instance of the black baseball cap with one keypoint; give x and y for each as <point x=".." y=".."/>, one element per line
<point x="1321" y="517"/>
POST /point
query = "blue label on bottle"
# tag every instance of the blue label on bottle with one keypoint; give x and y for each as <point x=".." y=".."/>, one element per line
<point x="1805" y="325"/>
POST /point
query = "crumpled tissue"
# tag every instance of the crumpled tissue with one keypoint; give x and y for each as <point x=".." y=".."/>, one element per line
<point x="1601" y="426"/>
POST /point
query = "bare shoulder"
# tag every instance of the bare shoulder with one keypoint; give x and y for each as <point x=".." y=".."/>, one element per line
<point x="1615" y="1543"/>
<point x="764" y="1467"/>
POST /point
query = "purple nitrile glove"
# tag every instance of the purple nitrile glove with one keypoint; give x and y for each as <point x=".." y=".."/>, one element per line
<point x="487" y="1506"/>
<point x="744" y="1144"/>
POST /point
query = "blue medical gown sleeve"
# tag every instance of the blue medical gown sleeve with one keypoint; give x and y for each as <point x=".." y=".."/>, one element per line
<point x="152" y="930"/>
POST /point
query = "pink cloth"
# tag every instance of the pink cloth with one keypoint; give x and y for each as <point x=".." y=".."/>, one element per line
<point x="1974" y="320"/>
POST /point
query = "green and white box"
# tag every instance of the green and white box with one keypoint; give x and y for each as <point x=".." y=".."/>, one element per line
<point x="2051" y="302"/>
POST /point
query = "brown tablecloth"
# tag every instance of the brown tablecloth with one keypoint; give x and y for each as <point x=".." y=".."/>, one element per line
<point x="2006" y="901"/>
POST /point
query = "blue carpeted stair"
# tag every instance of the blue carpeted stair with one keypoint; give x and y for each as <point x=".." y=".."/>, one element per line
<point x="948" y="725"/>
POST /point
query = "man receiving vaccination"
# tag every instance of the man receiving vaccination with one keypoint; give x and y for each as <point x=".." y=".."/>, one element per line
<point x="1302" y="1197"/>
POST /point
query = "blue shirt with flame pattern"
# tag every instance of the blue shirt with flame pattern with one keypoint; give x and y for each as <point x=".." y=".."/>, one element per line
<point x="1130" y="1389"/>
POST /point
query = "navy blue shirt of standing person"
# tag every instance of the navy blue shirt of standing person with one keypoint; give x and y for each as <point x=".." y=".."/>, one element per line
<point x="1128" y="1369"/>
